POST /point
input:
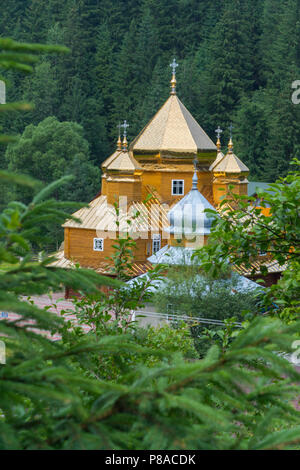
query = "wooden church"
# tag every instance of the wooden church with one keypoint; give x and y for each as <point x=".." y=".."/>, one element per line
<point x="161" y="162"/>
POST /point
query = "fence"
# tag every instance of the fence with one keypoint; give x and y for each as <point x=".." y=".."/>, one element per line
<point x="173" y="317"/>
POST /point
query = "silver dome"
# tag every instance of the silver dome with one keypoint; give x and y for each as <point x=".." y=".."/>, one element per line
<point x="188" y="216"/>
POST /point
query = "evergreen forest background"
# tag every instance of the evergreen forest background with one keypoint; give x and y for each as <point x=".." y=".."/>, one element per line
<point x="238" y="60"/>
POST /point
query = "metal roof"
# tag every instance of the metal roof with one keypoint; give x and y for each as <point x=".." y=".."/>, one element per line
<point x="101" y="216"/>
<point x="220" y="156"/>
<point x="173" y="255"/>
<point x="104" y="267"/>
<point x="124" y="161"/>
<point x="236" y="282"/>
<point x="272" y="266"/>
<point x="90" y="215"/>
<point x="230" y="164"/>
<point x="173" y="129"/>
<point x="254" y="186"/>
<point x="111" y="158"/>
<point x="188" y="216"/>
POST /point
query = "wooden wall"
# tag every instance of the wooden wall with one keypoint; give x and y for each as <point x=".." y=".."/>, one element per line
<point x="130" y="187"/>
<point x="221" y="188"/>
<point x="79" y="247"/>
<point x="162" y="182"/>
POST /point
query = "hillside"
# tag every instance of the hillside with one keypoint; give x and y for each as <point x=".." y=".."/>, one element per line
<point x="238" y="60"/>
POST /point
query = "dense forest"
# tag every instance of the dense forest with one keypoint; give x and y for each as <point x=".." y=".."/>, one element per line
<point x="238" y="60"/>
<point x="90" y="376"/>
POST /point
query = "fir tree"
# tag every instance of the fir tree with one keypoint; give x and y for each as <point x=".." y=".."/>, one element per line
<point x="229" y="74"/>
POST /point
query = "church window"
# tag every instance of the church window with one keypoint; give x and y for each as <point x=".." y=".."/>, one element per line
<point x="98" y="244"/>
<point x="177" y="187"/>
<point x="155" y="243"/>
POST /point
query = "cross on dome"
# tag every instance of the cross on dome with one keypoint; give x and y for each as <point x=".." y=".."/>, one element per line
<point x="125" y="125"/>
<point x="125" y="143"/>
<point x="219" y="131"/>
<point x="174" y="65"/>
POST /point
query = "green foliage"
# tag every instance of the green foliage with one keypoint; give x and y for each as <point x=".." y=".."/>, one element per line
<point x="173" y="404"/>
<point x="123" y="388"/>
<point x="244" y="230"/>
<point x="169" y="339"/>
<point x="19" y="56"/>
<point x="53" y="149"/>
<point x="110" y="317"/>
<point x="221" y="336"/>
<point x="110" y="313"/>
<point x="190" y="293"/>
<point x="47" y="152"/>
<point x="229" y="74"/>
<point x="186" y="292"/>
<point x="237" y="59"/>
<point x="51" y="397"/>
<point x="119" y="387"/>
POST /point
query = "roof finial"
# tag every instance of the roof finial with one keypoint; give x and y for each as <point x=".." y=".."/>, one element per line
<point x="195" y="177"/>
<point x="125" y="125"/>
<point x="230" y="144"/>
<point x="173" y="65"/>
<point x="119" y="142"/>
<point x="218" y="132"/>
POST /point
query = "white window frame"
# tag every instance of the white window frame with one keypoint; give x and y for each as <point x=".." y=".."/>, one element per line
<point x="95" y="242"/>
<point x="176" y="194"/>
<point x="156" y="239"/>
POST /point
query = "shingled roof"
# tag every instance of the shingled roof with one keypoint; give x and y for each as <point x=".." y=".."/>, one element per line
<point x="230" y="164"/>
<point x="111" y="159"/>
<point x="220" y="156"/>
<point x="173" y="129"/>
<point x="100" y="215"/>
<point x="124" y="161"/>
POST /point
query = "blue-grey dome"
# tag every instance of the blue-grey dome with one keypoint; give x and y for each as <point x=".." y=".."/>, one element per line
<point x="188" y="216"/>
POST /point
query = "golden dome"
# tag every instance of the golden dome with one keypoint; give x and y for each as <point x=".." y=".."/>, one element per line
<point x="124" y="161"/>
<point x="230" y="163"/>
<point x="173" y="129"/>
<point x="110" y="159"/>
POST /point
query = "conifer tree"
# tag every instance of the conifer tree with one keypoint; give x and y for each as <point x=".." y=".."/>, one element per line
<point x="270" y="20"/>
<point x="35" y="21"/>
<point x="102" y="75"/>
<point x="283" y="116"/>
<point x="229" y="74"/>
<point x="41" y="89"/>
<point x="127" y="84"/>
<point x="156" y="93"/>
<point x="54" y="395"/>
<point x="227" y="51"/>
<point x="252" y="134"/>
